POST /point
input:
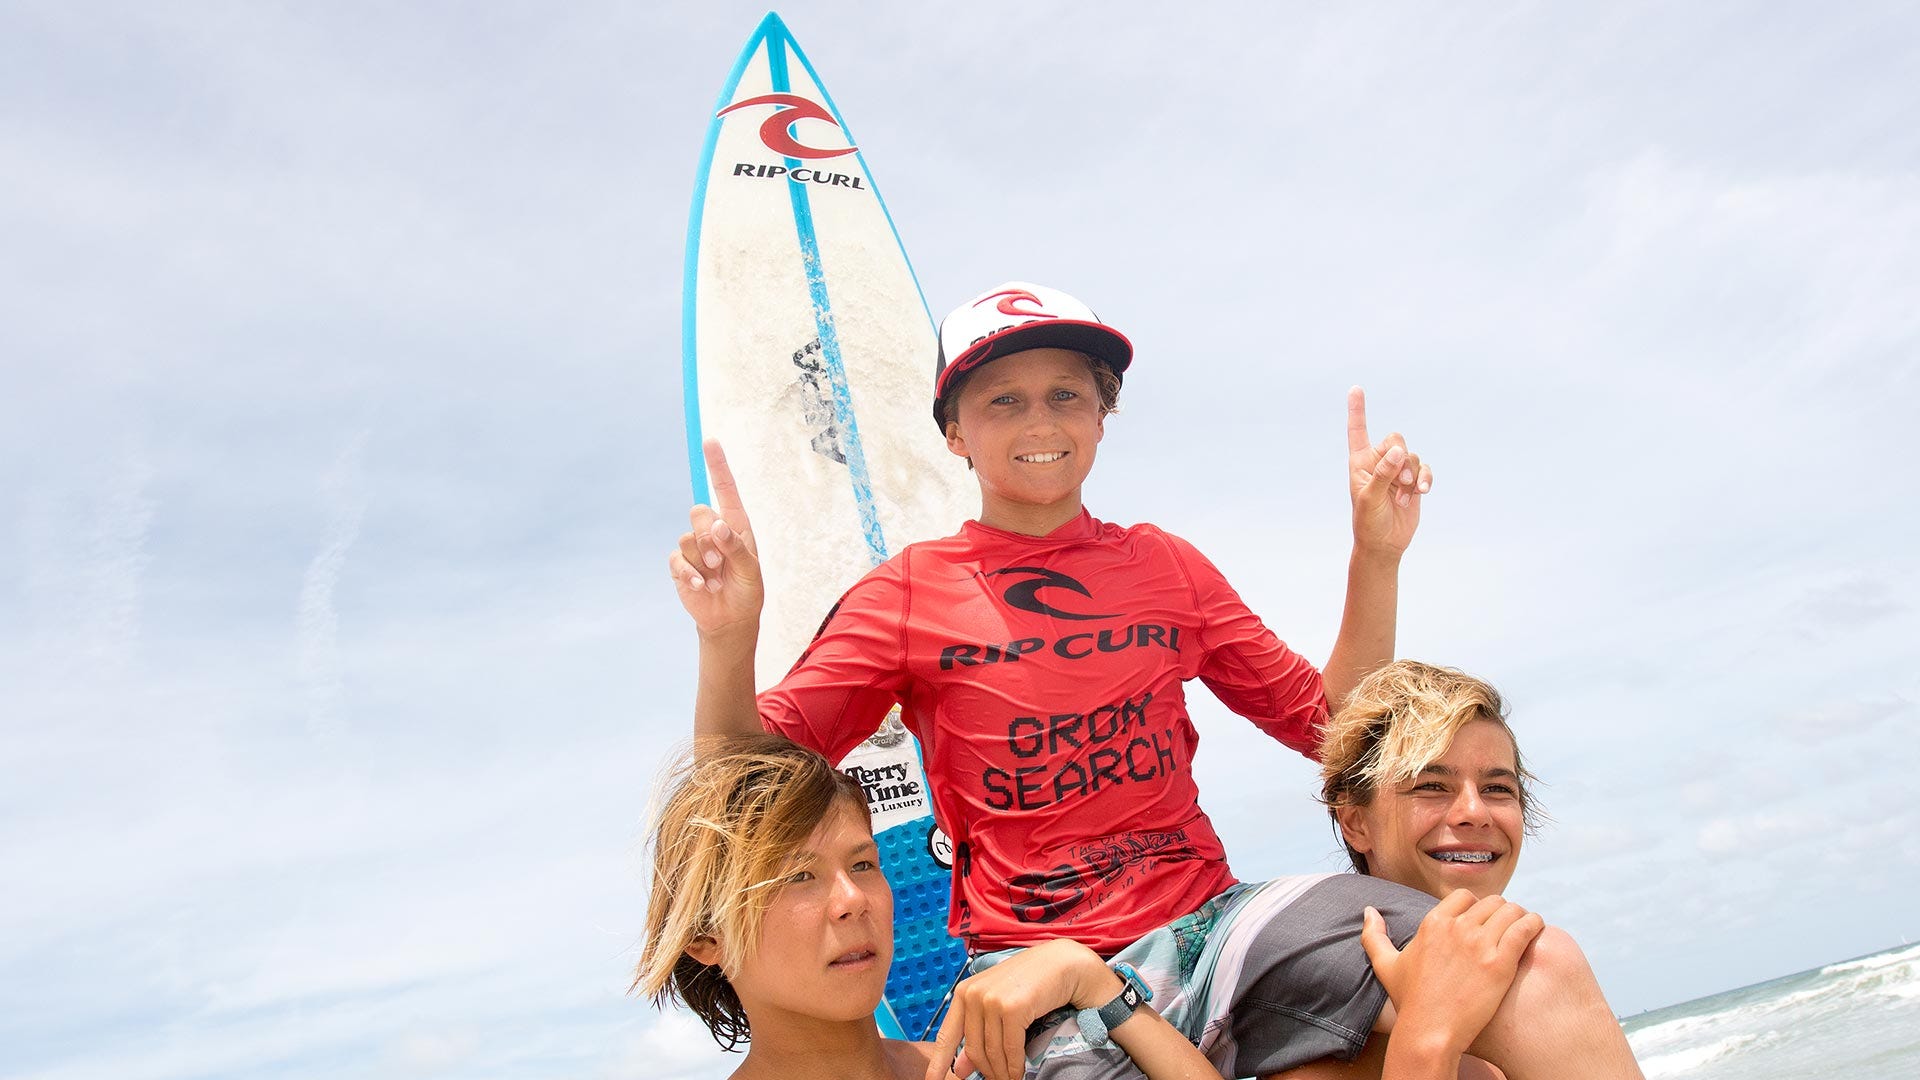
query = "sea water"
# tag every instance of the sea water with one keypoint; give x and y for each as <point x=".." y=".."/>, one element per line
<point x="1858" y="1019"/>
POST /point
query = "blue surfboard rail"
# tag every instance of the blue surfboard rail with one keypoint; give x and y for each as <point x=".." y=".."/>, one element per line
<point x="861" y="157"/>
<point x="926" y="958"/>
<point x="823" y="316"/>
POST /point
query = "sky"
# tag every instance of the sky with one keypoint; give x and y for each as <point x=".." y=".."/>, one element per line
<point x="341" y="451"/>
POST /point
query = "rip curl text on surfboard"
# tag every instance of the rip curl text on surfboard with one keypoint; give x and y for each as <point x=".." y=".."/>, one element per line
<point x="802" y="175"/>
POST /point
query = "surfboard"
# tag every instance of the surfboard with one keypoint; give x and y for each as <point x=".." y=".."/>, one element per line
<point x="808" y="351"/>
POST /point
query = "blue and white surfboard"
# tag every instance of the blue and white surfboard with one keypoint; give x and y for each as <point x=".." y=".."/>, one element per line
<point x="809" y="354"/>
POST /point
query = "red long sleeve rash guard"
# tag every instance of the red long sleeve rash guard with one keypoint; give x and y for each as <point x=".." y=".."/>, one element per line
<point x="1043" y="676"/>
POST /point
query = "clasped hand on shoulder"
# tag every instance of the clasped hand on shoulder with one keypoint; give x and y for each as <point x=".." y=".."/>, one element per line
<point x="1449" y="980"/>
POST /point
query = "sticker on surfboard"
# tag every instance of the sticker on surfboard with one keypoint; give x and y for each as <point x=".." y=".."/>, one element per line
<point x="808" y="352"/>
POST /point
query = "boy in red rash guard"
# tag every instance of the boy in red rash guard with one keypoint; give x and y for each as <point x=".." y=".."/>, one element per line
<point x="1043" y="677"/>
<point x="1039" y="655"/>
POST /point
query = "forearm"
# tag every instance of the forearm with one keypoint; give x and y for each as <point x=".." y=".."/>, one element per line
<point x="1367" y="625"/>
<point x="1161" y="1052"/>
<point x="1413" y="1055"/>
<point x="723" y="703"/>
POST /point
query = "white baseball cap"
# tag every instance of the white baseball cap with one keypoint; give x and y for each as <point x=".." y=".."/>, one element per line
<point x="1013" y="318"/>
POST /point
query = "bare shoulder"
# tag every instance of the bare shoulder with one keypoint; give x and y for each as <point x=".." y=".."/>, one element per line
<point x="909" y="1059"/>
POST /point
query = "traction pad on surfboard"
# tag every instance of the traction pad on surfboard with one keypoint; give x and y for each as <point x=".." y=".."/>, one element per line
<point x="925" y="959"/>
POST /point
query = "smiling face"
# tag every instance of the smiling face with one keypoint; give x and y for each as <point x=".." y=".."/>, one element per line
<point x="1457" y="825"/>
<point x="826" y="940"/>
<point x="1029" y="422"/>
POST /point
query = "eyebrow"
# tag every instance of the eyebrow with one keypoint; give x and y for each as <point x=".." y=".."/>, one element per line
<point x="1499" y="771"/>
<point x="807" y="857"/>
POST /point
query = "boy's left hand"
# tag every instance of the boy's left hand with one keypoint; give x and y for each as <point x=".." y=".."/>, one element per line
<point x="1386" y="481"/>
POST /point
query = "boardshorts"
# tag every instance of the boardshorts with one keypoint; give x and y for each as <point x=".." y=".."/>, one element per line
<point x="1262" y="978"/>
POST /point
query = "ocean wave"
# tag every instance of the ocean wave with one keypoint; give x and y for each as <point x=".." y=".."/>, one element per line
<point x="1839" y="987"/>
<point x="1892" y="975"/>
<point x="1680" y="1027"/>
<point x="1869" y="963"/>
<point x="1840" y="1012"/>
<point x="1681" y="1062"/>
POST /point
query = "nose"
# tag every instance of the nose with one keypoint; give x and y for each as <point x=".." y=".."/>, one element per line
<point x="1039" y="418"/>
<point x="848" y="898"/>
<point x="1469" y="808"/>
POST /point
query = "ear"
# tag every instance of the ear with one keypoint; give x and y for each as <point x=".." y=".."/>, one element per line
<point x="1353" y="828"/>
<point x="956" y="442"/>
<point x="705" y="950"/>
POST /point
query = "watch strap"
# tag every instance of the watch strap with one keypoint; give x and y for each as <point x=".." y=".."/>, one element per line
<point x="1097" y="1024"/>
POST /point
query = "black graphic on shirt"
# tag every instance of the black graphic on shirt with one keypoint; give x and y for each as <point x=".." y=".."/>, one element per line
<point x="1025" y="594"/>
<point x="1076" y="755"/>
<point x="1096" y="866"/>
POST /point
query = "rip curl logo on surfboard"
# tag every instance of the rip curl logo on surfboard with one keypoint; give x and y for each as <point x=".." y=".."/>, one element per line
<point x="776" y="133"/>
<point x="777" y="130"/>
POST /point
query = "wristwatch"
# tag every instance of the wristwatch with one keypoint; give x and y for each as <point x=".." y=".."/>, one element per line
<point x="1134" y="992"/>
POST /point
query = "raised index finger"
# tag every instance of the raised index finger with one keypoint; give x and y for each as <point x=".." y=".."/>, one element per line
<point x="946" y="1045"/>
<point x="726" y="493"/>
<point x="1357" y="420"/>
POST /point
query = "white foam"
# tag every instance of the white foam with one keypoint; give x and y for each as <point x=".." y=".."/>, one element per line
<point x="1870" y="963"/>
<point x="1893" y="975"/>
<point x="1679" y="1028"/>
<point x="1681" y="1062"/>
<point x="1831" y="1007"/>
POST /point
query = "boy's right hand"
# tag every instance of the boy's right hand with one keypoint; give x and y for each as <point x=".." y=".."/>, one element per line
<point x="990" y="1011"/>
<point x="1449" y="980"/>
<point x="716" y="568"/>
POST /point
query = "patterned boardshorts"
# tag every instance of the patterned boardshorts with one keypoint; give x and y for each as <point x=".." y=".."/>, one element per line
<point x="1262" y="978"/>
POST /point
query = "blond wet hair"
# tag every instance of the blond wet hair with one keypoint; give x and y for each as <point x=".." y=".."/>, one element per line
<point x="723" y="843"/>
<point x="1399" y="720"/>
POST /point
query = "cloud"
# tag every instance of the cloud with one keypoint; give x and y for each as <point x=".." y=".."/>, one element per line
<point x="1723" y="836"/>
<point x="427" y="1053"/>
<point x="1801" y="266"/>
<point x="86" y="558"/>
<point x="1845" y="605"/>
<point x="318" y="620"/>
<point x="675" y="1047"/>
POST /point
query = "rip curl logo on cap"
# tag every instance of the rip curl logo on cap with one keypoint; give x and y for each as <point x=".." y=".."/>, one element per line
<point x="1025" y="595"/>
<point x="777" y="131"/>
<point x="1010" y="299"/>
